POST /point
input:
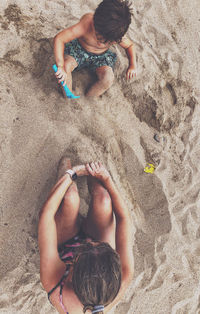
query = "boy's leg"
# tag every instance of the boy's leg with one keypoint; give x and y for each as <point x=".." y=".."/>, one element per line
<point x="67" y="217"/>
<point x="100" y="221"/>
<point x="69" y="65"/>
<point x="105" y="77"/>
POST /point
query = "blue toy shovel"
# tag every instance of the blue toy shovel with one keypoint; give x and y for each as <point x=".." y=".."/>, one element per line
<point x="68" y="93"/>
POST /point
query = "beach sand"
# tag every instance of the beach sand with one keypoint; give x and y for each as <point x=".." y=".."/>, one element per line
<point x="38" y="126"/>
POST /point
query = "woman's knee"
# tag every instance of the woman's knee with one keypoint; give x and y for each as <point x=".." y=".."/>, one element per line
<point x="102" y="201"/>
<point x="71" y="198"/>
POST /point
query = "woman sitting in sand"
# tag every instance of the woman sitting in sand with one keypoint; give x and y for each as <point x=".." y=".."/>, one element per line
<point x="85" y="267"/>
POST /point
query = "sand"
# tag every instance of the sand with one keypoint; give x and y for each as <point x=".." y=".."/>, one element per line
<point x="38" y="127"/>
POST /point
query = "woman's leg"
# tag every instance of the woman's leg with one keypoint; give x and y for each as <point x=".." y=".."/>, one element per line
<point x="67" y="217"/>
<point x="100" y="221"/>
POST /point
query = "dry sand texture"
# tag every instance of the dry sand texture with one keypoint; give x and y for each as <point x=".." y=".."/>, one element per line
<point x="38" y="127"/>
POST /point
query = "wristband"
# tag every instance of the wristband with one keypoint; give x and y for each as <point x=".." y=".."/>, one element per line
<point x="72" y="174"/>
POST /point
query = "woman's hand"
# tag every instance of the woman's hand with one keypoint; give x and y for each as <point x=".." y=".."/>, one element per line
<point x="97" y="170"/>
<point x="80" y="170"/>
<point x="61" y="75"/>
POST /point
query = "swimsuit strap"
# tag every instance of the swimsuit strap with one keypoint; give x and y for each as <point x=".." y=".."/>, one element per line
<point x="61" y="298"/>
<point x="60" y="281"/>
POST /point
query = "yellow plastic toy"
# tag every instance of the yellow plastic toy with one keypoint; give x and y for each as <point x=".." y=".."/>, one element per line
<point x="150" y="168"/>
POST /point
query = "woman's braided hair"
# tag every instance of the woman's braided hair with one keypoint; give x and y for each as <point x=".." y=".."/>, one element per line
<point x="96" y="275"/>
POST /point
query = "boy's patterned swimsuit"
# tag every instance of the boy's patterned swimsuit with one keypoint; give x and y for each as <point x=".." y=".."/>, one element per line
<point x="86" y="59"/>
<point x="66" y="252"/>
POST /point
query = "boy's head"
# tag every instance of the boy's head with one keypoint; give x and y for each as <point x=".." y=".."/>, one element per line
<point x="112" y="19"/>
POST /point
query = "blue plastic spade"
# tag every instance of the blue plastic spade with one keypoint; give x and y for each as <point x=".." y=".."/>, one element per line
<point x="68" y="93"/>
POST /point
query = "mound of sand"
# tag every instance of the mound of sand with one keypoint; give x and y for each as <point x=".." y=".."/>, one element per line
<point x="38" y="127"/>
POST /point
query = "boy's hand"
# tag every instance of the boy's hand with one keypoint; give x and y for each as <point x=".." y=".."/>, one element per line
<point x="131" y="72"/>
<point x="97" y="170"/>
<point x="61" y="75"/>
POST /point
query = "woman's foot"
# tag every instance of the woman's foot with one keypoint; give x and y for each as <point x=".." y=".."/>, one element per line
<point x="63" y="166"/>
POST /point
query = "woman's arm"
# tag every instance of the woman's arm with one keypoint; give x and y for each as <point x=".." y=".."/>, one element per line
<point x="51" y="267"/>
<point x="123" y="230"/>
<point x="123" y="220"/>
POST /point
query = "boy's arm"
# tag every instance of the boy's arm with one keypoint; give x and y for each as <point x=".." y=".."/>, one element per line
<point x="128" y="45"/>
<point x="68" y="35"/>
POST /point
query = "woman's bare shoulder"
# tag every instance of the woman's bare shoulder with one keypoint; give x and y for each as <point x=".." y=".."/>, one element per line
<point x="124" y="285"/>
<point x="70" y="300"/>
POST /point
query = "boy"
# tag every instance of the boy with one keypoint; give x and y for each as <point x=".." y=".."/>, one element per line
<point x="86" y="44"/>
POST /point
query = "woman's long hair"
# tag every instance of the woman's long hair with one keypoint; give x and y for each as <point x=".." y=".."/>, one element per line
<point x="96" y="275"/>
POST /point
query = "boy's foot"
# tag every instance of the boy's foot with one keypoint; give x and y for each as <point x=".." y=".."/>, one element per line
<point x="63" y="166"/>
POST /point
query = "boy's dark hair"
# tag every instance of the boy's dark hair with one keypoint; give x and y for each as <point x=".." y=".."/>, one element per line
<point x="112" y="19"/>
<point x="96" y="275"/>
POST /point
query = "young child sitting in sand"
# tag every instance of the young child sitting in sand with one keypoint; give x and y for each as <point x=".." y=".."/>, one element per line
<point x="85" y="265"/>
<point x="86" y="44"/>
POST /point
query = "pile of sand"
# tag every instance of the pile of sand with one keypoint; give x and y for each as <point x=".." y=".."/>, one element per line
<point x="38" y="127"/>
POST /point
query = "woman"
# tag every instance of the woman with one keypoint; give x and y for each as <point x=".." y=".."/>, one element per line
<point x="85" y="266"/>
